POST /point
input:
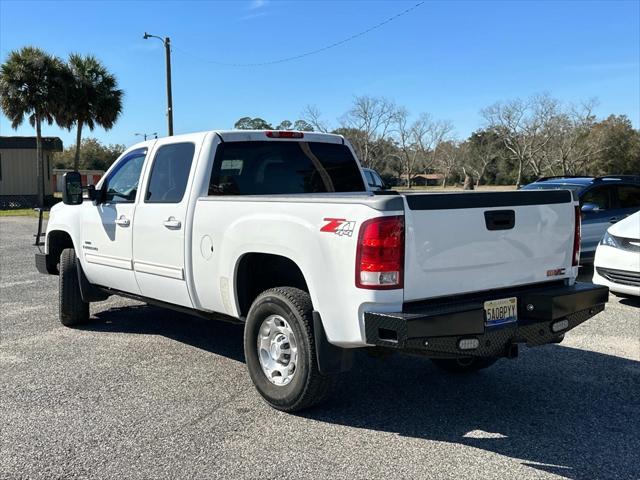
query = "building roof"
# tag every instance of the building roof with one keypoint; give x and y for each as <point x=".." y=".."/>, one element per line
<point x="52" y="144"/>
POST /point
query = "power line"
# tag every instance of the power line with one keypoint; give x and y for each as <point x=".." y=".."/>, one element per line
<point x="310" y="52"/>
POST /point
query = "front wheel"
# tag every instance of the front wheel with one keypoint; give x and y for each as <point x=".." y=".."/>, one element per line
<point x="280" y="350"/>
<point x="72" y="309"/>
<point x="463" y="365"/>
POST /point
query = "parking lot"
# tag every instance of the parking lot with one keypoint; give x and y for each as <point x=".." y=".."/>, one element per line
<point x="144" y="393"/>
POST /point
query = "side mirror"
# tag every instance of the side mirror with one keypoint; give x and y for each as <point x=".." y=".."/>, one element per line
<point x="589" y="208"/>
<point x="72" y="192"/>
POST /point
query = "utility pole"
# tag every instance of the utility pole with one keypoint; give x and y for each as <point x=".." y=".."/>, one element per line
<point x="167" y="47"/>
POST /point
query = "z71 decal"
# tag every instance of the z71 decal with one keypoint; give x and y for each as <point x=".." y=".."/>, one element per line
<point x="339" y="226"/>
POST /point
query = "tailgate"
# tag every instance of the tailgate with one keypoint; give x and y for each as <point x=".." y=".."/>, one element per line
<point x="468" y="242"/>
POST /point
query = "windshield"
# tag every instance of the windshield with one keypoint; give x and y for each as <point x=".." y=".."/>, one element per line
<point x="283" y="167"/>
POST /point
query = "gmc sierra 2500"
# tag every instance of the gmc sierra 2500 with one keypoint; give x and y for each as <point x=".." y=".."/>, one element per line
<point x="279" y="231"/>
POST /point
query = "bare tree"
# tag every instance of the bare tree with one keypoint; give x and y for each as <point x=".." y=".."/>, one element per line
<point x="523" y="126"/>
<point x="575" y="140"/>
<point x="407" y="144"/>
<point x="311" y="114"/>
<point x="374" y="116"/>
<point x="450" y="157"/>
<point x="429" y="135"/>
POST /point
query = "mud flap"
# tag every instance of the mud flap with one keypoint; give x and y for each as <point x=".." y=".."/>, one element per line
<point x="89" y="292"/>
<point x="331" y="359"/>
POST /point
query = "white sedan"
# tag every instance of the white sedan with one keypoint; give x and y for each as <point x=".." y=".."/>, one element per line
<point x="617" y="261"/>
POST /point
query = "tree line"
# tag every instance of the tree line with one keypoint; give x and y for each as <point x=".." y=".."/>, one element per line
<point x="79" y="92"/>
<point x="520" y="140"/>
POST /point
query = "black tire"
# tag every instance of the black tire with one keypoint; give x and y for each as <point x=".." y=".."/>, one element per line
<point x="463" y="365"/>
<point x="72" y="309"/>
<point x="307" y="386"/>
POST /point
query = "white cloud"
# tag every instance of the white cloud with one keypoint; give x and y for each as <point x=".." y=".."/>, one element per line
<point x="255" y="4"/>
<point x="253" y="15"/>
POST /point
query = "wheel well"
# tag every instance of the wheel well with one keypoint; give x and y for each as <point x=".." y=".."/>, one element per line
<point x="57" y="242"/>
<point x="258" y="272"/>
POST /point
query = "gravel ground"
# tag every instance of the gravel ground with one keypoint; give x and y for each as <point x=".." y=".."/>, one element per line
<point x="146" y="393"/>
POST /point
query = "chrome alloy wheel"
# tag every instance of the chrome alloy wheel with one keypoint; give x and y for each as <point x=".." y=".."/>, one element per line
<point x="277" y="350"/>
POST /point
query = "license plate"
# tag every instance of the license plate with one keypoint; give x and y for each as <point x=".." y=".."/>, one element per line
<point x="499" y="312"/>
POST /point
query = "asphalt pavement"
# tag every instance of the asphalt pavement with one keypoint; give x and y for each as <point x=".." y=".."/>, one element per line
<point x="142" y="393"/>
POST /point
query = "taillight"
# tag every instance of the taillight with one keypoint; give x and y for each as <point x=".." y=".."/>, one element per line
<point x="380" y="253"/>
<point x="576" y="239"/>
<point x="283" y="134"/>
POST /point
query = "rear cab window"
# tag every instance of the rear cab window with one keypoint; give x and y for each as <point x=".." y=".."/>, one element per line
<point x="284" y="167"/>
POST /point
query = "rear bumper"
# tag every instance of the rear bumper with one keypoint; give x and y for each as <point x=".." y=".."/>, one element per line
<point x="545" y="314"/>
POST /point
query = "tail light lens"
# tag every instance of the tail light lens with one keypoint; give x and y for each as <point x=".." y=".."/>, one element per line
<point x="576" y="239"/>
<point x="380" y="253"/>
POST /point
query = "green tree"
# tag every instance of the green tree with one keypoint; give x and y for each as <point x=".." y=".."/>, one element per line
<point x="302" y="126"/>
<point x="485" y="149"/>
<point x="95" y="97"/>
<point x="620" y="147"/>
<point x="93" y="155"/>
<point x="257" y="123"/>
<point x="32" y="85"/>
<point x="248" y="123"/>
<point x="285" y="125"/>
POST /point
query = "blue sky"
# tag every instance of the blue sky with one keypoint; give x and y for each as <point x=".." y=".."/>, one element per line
<point x="447" y="58"/>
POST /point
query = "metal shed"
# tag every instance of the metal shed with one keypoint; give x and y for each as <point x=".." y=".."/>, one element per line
<point x="18" y="170"/>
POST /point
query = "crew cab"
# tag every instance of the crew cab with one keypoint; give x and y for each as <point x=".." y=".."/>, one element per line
<point x="280" y="232"/>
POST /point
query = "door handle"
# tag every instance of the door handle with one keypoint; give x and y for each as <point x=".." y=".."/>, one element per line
<point x="123" y="221"/>
<point x="172" y="224"/>
<point x="613" y="220"/>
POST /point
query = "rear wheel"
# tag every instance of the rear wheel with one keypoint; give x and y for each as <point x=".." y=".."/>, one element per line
<point x="280" y="352"/>
<point x="463" y="365"/>
<point x="72" y="309"/>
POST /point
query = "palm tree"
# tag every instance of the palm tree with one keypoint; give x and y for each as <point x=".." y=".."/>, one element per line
<point x="95" y="97"/>
<point x="32" y="84"/>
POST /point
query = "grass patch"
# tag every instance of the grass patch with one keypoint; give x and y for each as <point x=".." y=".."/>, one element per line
<point x="22" y="212"/>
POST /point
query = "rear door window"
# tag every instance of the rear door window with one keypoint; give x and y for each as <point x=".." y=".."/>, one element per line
<point x="629" y="196"/>
<point x="284" y="167"/>
<point x="600" y="196"/>
<point x="170" y="173"/>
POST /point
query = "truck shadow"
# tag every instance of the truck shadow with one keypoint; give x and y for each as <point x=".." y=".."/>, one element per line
<point x="217" y="337"/>
<point x="561" y="410"/>
<point x="565" y="411"/>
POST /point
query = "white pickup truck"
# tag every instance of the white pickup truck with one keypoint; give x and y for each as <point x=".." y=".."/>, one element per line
<point x="279" y="231"/>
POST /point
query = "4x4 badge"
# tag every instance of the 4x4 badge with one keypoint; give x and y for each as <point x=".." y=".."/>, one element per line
<point x="339" y="226"/>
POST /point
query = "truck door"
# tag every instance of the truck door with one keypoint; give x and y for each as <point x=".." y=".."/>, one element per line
<point x="107" y="227"/>
<point x="159" y="229"/>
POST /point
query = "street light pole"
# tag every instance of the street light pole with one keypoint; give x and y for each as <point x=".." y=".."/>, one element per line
<point x="167" y="47"/>
<point x="145" y="135"/>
